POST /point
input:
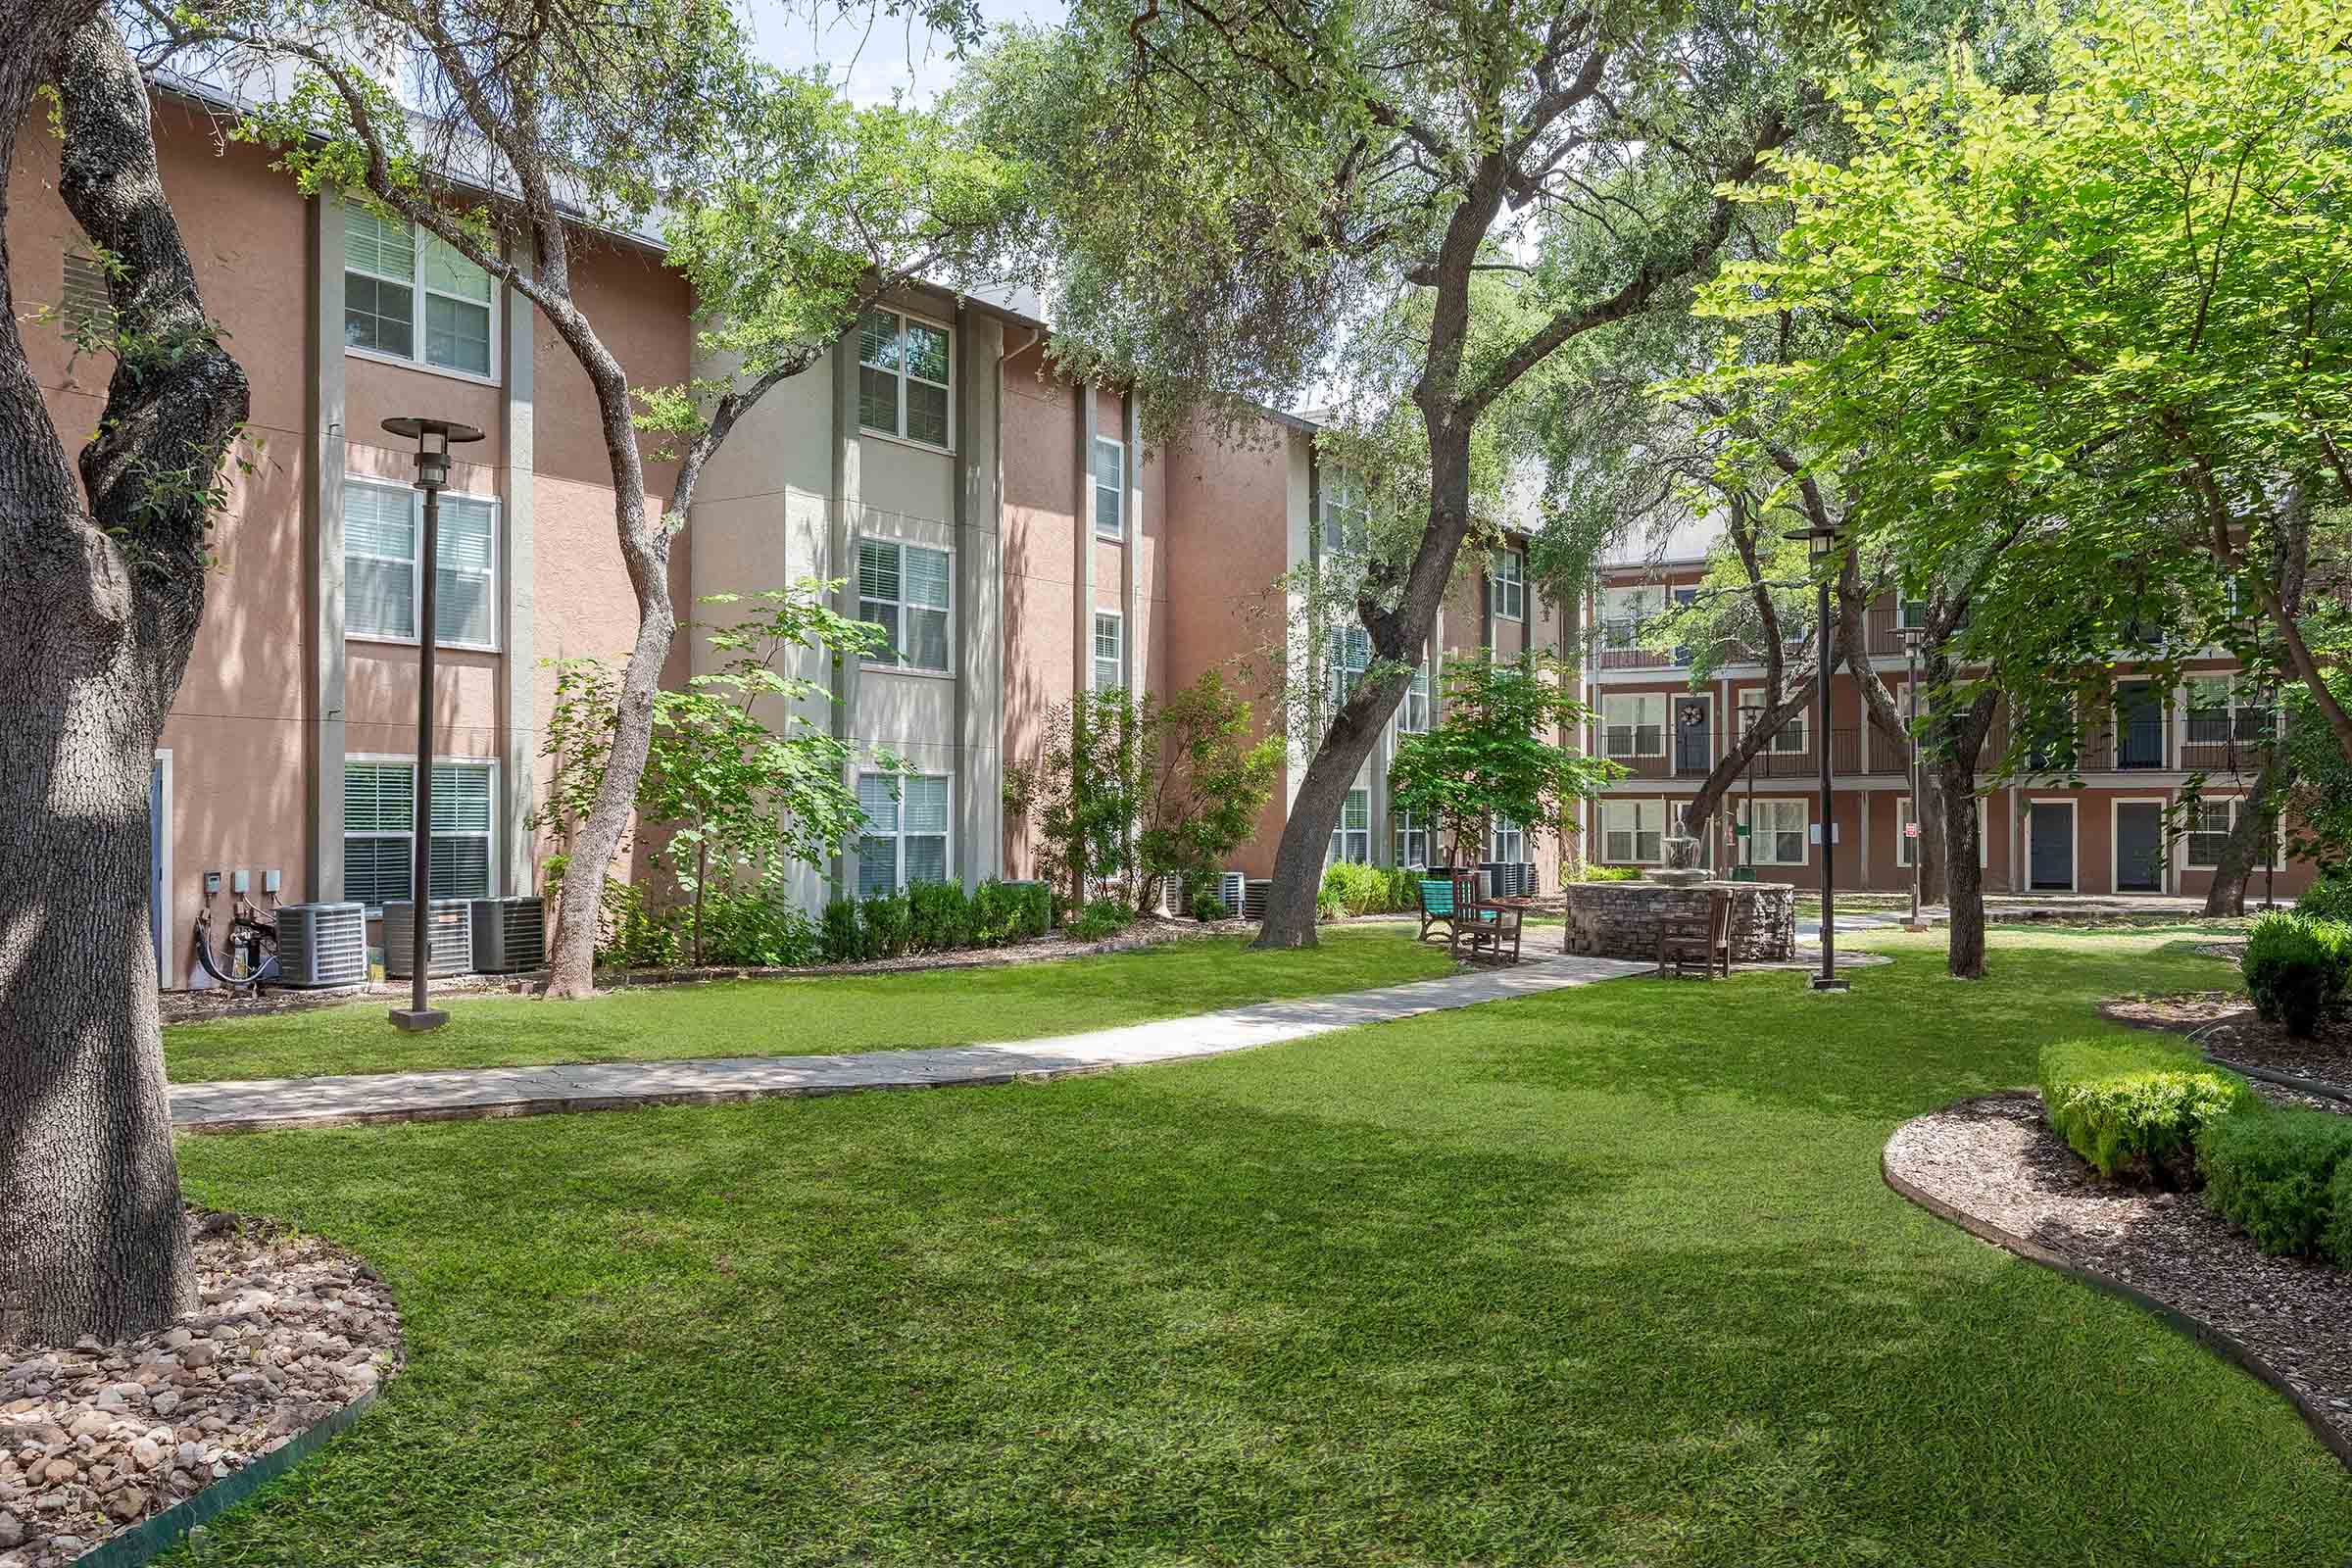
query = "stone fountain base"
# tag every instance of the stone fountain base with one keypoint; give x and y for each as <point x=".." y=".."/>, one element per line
<point x="1623" y="919"/>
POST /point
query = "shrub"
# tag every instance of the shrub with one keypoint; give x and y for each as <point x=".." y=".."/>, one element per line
<point x="2134" y="1106"/>
<point x="2274" y="1175"/>
<point x="839" y="940"/>
<point x="1206" y="905"/>
<point x="1328" y="905"/>
<point x="630" y="932"/>
<point x="2336" y="1241"/>
<point x="1612" y="873"/>
<point x="753" y="928"/>
<point x="888" y="924"/>
<point x="2295" y="970"/>
<point x="939" y="916"/>
<point x="996" y="909"/>
<point x="2330" y="898"/>
<point x="1103" y="917"/>
<point x="1352" y="889"/>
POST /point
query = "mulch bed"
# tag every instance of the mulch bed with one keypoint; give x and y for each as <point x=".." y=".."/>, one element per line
<point x="1996" y="1160"/>
<point x="2225" y="1024"/>
<point x="95" y="1437"/>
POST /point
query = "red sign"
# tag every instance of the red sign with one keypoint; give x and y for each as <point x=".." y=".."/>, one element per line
<point x="1910" y="830"/>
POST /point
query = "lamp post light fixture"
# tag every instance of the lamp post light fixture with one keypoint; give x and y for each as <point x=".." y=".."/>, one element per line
<point x="433" y="438"/>
<point x="1820" y="544"/>
<point x="1912" y="637"/>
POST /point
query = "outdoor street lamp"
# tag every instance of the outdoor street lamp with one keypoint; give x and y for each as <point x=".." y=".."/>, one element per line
<point x="1820" y="544"/>
<point x="433" y="438"/>
<point x="1912" y="637"/>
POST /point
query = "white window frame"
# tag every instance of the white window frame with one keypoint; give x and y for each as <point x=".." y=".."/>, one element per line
<point x="899" y="431"/>
<point x="898" y="834"/>
<point x="2236" y="805"/>
<point x="1410" y="838"/>
<point x="1615" y="701"/>
<point x="1786" y="741"/>
<point x="1611" y="804"/>
<point x="1347" y="837"/>
<point x="1346" y="523"/>
<point x="1117" y="659"/>
<point x="1118" y="531"/>
<point x="1347" y="673"/>
<point x="1902" y="843"/>
<point x="2235" y="701"/>
<point x="1412" y="710"/>
<point x="1627" y="605"/>
<point x="1503" y="833"/>
<point x="408" y="759"/>
<point x="416" y="568"/>
<point x="1778" y="804"/>
<point x="898" y="661"/>
<point x="1507" y="566"/>
<point x="417" y="290"/>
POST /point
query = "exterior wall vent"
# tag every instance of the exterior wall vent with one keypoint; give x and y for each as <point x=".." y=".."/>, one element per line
<point x="85" y="300"/>
<point x="321" y="945"/>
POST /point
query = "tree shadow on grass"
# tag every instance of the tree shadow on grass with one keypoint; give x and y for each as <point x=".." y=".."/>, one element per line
<point x="1139" y="1320"/>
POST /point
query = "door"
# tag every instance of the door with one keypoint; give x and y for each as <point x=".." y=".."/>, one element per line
<point x="2139" y="847"/>
<point x="1694" y="746"/>
<point x="2138" y="725"/>
<point x="2050" y="851"/>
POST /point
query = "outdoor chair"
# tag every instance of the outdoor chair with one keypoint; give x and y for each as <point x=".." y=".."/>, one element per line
<point x="1440" y="905"/>
<point x="1699" y="942"/>
<point x="1488" y="924"/>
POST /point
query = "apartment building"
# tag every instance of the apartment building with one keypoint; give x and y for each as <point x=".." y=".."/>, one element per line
<point x="1011" y="531"/>
<point x="2101" y="825"/>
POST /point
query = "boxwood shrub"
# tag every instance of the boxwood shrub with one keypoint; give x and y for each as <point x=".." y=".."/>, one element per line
<point x="2134" y="1106"/>
<point x="2279" y="1175"/>
<point x="2295" y="970"/>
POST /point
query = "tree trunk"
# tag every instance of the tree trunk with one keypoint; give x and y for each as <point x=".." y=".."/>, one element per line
<point x="1727" y="771"/>
<point x="104" y="583"/>
<point x="2253" y="831"/>
<point x="1956" y="741"/>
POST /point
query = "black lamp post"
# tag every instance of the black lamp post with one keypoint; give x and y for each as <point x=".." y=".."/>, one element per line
<point x="1820" y="544"/>
<point x="433" y="438"/>
<point x="1912" y="637"/>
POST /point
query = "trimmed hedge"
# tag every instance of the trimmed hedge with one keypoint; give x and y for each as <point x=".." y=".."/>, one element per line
<point x="2296" y="969"/>
<point x="2281" y="1176"/>
<point x="932" y="917"/>
<point x="1612" y="873"/>
<point x="1352" y="889"/>
<point x="2135" y="1105"/>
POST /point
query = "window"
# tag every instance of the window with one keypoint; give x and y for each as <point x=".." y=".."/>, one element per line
<point x="1622" y="612"/>
<point x="1109" y="640"/>
<point x="380" y="810"/>
<point x="1507" y="842"/>
<point x="1684" y="599"/>
<point x="1912" y="613"/>
<point x="1110" y="488"/>
<point x="903" y="590"/>
<point x="383" y="531"/>
<point x="1412" y="840"/>
<point x="1633" y="724"/>
<point x="1777" y="832"/>
<point x="1412" y="715"/>
<point x="2209" y="831"/>
<point x="1510" y="584"/>
<point x="1633" y="832"/>
<point x="906" y="837"/>
<point x="1351" y="838"/>
<point x="404" y="287"/>
<point x="1351" y="657"/>
<point x="1788" y="740"/>
<point x="1347" y="515"/>
<point x="2222" y="710"/>
<point x="903" y="372"/>
<point x="1903" y="840"/>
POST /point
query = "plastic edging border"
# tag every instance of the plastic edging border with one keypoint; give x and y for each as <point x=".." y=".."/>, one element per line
<point x="151" y="1536"/>
<point x="2220" y="1343"/>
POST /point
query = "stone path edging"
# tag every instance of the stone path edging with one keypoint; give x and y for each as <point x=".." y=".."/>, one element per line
<point x="2220" y="1343"/>
<point x="152" y="1536"/>
<point x="258" y="1104"/>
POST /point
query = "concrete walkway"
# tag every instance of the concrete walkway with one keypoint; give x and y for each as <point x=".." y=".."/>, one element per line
<point x="273" y="1103"/>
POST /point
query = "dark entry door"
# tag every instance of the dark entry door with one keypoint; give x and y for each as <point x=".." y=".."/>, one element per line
<point x="2050" y="851"/>
<point x="2139" y="847"/>
<point x="1694" y="750"/>
<point x="2139" y="725"/>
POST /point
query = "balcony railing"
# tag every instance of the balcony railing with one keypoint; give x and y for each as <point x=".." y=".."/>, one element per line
<point x="1621" y="647"/>
<point x="2218" y="741"/>
<point x="1650" y="751"/>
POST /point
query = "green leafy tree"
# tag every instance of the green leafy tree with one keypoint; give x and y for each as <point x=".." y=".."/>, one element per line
<point x="1209" y="783"/>
<point x="1489" y="757"/>
<point x="788" y="210"/>
<point x="1244" y="205"/>
<point x="1084" y="790"/>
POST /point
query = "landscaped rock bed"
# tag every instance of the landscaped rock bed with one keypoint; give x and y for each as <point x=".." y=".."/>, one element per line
<point x="96" y="1437"/>
<point x="1995" y="1161"/>
<point x="2225" y="1024"/>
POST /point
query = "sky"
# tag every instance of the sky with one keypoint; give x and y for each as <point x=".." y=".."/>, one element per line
<point x="878" y="57"/>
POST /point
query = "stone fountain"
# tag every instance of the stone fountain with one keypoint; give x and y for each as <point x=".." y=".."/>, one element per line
<point x="1682" y="869"/>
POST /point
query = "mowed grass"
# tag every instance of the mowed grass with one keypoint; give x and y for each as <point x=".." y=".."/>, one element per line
<point x="1602" y="1277"/>
<point x="813" y="1015"/>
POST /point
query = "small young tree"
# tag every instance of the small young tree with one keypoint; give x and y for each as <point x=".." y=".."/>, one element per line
<point x="1488" y="758"/>
<point x="1085" y="789"/>
<point x="1209" y="783"/>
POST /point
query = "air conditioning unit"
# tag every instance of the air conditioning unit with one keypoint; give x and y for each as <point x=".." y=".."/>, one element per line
<point x="321" y="945"/>
<point x="1253" y="896"/>
<point x="448" y="937"/>
<point x="1171" y="897"/>
<point x="1232" y="891"/>
<point x="510" y="935"/>
<point x="1531" y="883"/>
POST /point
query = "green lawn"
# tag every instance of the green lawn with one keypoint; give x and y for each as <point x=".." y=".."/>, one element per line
<point x="797" y="1017"/>
<point x="1602" y="1277"/>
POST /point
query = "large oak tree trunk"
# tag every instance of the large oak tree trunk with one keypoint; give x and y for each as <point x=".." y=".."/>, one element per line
<point x="103" y="582"/>
<point x="1955" y="741"/>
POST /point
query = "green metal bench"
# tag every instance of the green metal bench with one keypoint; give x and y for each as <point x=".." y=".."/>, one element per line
<point x="1448" y="901"/>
